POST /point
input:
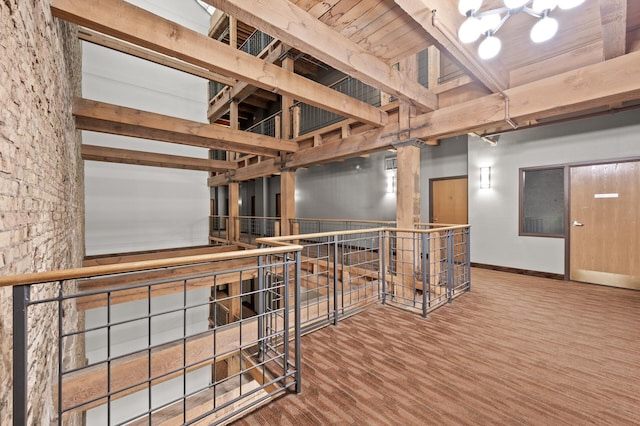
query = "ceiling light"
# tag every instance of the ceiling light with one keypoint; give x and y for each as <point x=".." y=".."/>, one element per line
<point x="515" y="4"/>
<point x="542" y="5"/>
<point x="569" y="4"/>
<point x="544" y="30"/>
<point x="487" y="23"/>
<point x="490" y="47"/>
<point x="467" y="6"/>
<point x="470" y="30"/>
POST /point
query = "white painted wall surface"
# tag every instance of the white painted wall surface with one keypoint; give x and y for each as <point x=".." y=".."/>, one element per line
<point x="128" y="207"/>
<point x="493" y="213"/>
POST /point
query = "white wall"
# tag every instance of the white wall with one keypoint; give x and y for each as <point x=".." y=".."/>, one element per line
<point x="493" y="213"/>
<point x="130" y="207"/>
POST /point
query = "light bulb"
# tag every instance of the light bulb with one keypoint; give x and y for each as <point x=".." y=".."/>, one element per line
<point x="470" y="30"/>
<point x="542" y="5"/>
<point x="544" y="29"/>
<point x="465" y="6"/>
<point x="569" y="4"/>
<point x="489" y="47"/>
<point x="514" y="4"/>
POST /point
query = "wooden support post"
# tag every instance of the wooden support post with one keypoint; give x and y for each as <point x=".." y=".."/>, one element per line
<point x="234" y="210"/>
<point x="287" y="102"/>
<point x="287" y="189"/>
<point x="277" y="128"/>
<point x="433" y="67"/>
<point x="408" y="188"/>
<point x="233" y="32"/>
<point x="296" y="121"/>
<point x="233" y="125"/>
<point x="276" y="229"/>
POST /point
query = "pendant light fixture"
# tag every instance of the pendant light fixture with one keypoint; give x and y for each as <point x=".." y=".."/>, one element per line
<point x="487" y="23"/>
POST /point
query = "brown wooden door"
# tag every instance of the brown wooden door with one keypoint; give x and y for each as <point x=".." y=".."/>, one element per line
<point x="449" y="200"/>
<point x="604" y="230"/>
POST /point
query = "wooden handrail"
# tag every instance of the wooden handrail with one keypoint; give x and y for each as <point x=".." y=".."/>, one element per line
<point x="93" y="271"/>
<point x="311" y="219"/>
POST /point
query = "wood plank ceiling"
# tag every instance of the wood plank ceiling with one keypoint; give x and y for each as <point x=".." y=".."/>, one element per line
<point x="594" y="61"/>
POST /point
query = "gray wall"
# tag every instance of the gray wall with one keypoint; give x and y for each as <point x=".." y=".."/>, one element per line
<point x="353" y="189"/>
<point x="493" y="212"/>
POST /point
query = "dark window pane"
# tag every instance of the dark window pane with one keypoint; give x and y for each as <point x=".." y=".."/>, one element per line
<point x="543" y="202"/>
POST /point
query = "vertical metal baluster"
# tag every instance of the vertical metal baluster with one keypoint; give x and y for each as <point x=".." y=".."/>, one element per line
<point x="285" y="261"/>
<point x="450" y="275"/>
<point x="21" y="301"/>
<point x="467" y="232"/>
<point x="297" y="325"/>
<point x="60" y="350"/>
<point x="425" y="283"/>
<point x="335" y="280"/>
<point x="261" y="296"/>
<point x="383" y="267"/>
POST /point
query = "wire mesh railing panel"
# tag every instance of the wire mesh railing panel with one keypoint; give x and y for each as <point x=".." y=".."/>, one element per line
<point x="218" y="226"/>
<point x="268" y="126"/>
<point x="256" y="43"/>
<point x="171" y="344"/>
<point x="252" y="227"/>
<point x="313" y="118"/>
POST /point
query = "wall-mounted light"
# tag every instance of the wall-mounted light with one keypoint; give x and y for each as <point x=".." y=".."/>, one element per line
<point x="485" y="177"/>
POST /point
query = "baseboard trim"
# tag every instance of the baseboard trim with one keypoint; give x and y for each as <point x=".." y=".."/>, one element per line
<point x="519" y="271"/>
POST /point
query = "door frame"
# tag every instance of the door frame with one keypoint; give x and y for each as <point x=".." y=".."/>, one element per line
<point x="431" y="180"/>
<point x="567" y="203"/>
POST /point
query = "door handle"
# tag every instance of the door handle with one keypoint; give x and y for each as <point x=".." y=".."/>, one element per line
<point x="576" y="223"/>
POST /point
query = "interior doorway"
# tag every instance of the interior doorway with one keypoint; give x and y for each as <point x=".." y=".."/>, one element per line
<point x="604" y="230"/>
<point x="448" y="200"/>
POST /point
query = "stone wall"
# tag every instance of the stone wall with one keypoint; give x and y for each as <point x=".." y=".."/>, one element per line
<point x="41" y="181"/>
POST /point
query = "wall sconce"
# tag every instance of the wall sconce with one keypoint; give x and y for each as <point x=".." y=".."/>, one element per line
<point x="485" y="177"/>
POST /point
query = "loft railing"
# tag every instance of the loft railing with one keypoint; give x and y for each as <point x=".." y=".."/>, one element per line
<point x="313" y="118"/>
<point x="161" y="363"/>
<point x="218" y="226"/>
<point x="313" y="225"/>
<point x="252" y="227"/>
<point x="153" y="344"/>
<point x="415" y="269"/>
<point x="269" y="126"/>
<point x="256" y="43"/>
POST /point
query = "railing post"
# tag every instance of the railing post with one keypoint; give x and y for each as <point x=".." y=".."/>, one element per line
<point x="425" y="284"/>
<point x="20" y="352"/>
<point x="450" y="266"/>
<point x="335" y="280"/>
<point x="297" y="320"/>
<point x="261" y="296"/>
<point x="383" y="265"/>
<point x="467" y="232"/>
<point x="286" y="306"/>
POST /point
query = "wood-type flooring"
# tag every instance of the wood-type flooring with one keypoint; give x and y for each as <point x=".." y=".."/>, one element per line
<point x="516" y="350"/>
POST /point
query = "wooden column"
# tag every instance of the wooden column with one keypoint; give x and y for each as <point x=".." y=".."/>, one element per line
<point x="234" y="210"/>
<point x="233" y="362"/>
<point x="287" y="102"/>
<point x="233" y="32"/>
<point x="408" y="189"/>
<point x="288" y="207"/>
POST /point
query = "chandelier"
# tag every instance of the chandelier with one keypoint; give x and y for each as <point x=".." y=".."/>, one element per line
<point x="487" y="23"/>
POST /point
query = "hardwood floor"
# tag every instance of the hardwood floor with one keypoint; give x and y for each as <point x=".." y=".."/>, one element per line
<point x="515" y="350"/>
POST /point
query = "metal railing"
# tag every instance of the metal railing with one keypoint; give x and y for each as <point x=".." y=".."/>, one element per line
<point x="207" y="337"/>
<point x="256" y="43"/>
<point x="268" y="126"/>
<point x="252" y="227"/>
<point x="415" y="269"/>
<point x="218" y="226"/>
<point x="313" y="118"/>
<point x="313" y="225"/>
<point x="156" y="346"/>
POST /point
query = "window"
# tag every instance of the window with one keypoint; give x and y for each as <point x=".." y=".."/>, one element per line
<point x="542" y="202"/>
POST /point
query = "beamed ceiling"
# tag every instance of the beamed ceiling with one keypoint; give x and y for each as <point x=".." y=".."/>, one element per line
<point x="591" y="65"/>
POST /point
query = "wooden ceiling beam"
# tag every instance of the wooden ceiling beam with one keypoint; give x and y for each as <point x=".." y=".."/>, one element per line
<point x="132" y="24"/>
<point x="107" y="118"/>
<point x="613" y="15"/>
<point x="94" y="37"/>
<point x="292" y="25"/>
<point x="447" y="20"/>
<point x="601" y="84"/>
<point x="127" y="156"/>
<point x="253" y="171"/>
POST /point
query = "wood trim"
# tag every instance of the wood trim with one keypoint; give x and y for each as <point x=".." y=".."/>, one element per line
<point x="519" y="271"/>
<point x="134" y="256"/>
